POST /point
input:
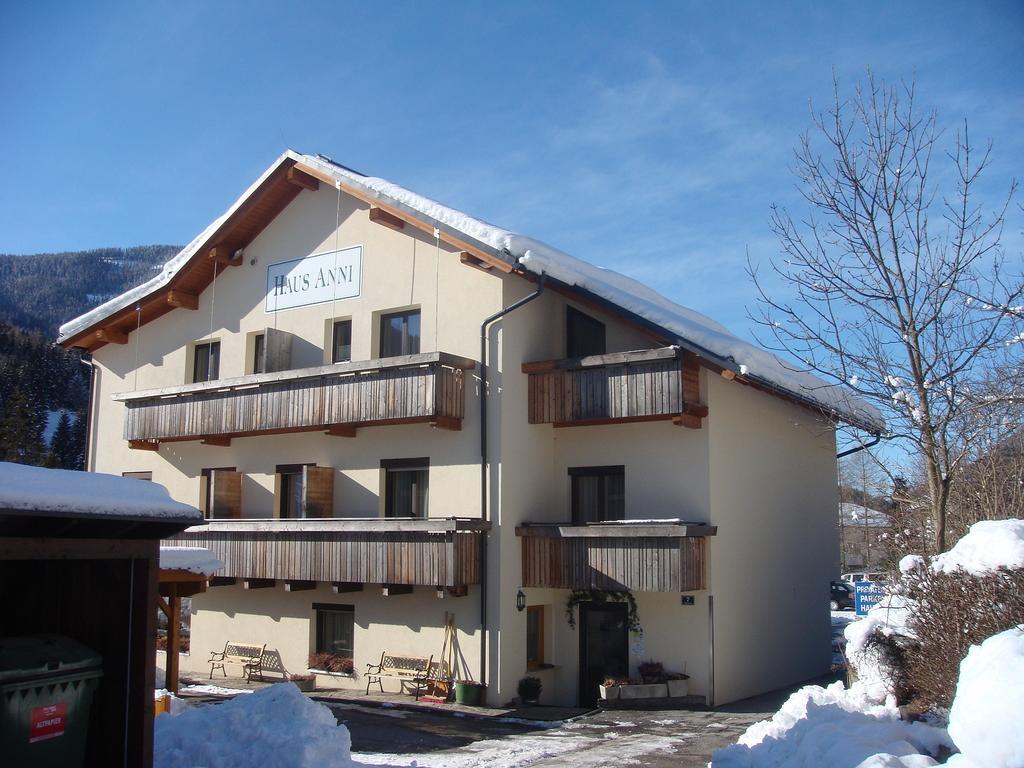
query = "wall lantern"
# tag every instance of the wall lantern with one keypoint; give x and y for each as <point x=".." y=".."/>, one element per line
<point x="520" y="601"/>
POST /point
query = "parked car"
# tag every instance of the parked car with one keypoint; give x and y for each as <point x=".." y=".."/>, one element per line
<point x="852" y="578"/>
<point x="842" y="596"/>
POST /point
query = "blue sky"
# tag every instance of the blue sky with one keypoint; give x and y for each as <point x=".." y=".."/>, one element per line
<point x="647" y="137"/>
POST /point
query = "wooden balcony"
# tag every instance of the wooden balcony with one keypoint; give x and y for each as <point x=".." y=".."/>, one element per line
<point x="645" y="385"/>
<point x="441" y="552"/>
<point x="665" y="556"/>
<point x="336" y="398"/>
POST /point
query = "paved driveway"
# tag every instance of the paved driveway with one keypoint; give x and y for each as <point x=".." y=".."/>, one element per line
<point x="681" y="739"/>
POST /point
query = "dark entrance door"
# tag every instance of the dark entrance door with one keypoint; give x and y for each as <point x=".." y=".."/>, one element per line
<point x="604" y="647"/>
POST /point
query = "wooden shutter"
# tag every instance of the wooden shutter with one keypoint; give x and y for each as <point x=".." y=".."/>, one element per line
<point x="226" y="489"/>
<point x="277" y="350"/>
<point x="318" y="492"/>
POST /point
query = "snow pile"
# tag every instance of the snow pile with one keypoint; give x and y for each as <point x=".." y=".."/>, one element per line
<point x="73" y="494"/>
<point x="990" y="544"/>
<point x="987" y="714"/>
<point x="276" y="727"/>
<point x="191" y="559"/>
<point x="836" y="728"/>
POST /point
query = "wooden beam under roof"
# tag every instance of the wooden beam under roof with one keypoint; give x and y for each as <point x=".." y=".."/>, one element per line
<point x="385" y="219"/>
<point x="144" y="445"/>
<point x="111" y="335"/>
<point x="300" y="178"/>
<point x="182" y="299"/>
<point x="222" y="254"/>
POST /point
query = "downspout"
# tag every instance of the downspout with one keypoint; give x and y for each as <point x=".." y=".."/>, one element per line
<point x="483" y="464"/>
<point x="861" y="447"/>
<point x="88" y="410"/>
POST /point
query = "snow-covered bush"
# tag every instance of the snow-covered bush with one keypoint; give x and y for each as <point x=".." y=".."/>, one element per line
<point x="963" y="596"/>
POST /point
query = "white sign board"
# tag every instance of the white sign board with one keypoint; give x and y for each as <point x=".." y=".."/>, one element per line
<point x="314" y="279"/>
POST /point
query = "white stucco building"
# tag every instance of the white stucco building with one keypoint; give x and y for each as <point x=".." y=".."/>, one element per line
<point x="308" y="371"/>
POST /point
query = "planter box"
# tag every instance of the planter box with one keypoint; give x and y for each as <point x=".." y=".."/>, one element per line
<point x="306" y="685"/>
<point x="609" y="692"/>
<point x="647" y="691"/>
<point x="678" y="688"/>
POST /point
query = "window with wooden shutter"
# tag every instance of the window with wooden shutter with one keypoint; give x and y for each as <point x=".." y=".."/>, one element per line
<point x="318" y="486"/>
<point x="277" y="350"/>
<point x="222" y="493"/>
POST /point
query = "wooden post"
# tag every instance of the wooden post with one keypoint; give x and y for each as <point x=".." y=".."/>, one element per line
<point x="173" y="641"/>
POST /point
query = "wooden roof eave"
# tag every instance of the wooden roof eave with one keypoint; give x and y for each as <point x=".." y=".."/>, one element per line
<point x="156" y="303"/>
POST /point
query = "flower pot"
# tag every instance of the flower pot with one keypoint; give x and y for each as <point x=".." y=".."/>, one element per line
<point x="646" y="691"/>
<point x="306" y="685"/>
<point x="468" y="694"/>
<point x="609" y="692"/>
<point x="678" y="688"/>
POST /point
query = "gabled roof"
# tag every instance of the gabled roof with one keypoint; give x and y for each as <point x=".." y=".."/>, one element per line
<point x="192" y="269"/>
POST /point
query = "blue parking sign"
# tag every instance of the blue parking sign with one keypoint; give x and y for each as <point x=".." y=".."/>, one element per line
<point x="866" y="595"/>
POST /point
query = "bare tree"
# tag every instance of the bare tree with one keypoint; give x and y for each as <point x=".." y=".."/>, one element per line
<point x="899" y="276"/>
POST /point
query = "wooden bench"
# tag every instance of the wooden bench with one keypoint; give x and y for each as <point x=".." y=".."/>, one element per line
<point x="249" y="655"/>
<point x="406" y="669"/>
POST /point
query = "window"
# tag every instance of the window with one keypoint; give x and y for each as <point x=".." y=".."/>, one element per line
<point x="400" y="334"/>
<point x="335" y="628"/>
<point x="292" y="491"/>
<point x="405" y="487"/>
<point x="138" y="475"/>
<point x="206" y="364"/>
<point x="259" y="353"/>
<point x="207" y="491"/>
<point x="583" y="334"/>
<point x="341" y="347"/>
<point x="535" y="636"/>
<point x="598" y="494"/>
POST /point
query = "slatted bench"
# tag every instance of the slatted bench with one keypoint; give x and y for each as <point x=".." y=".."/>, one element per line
<point x="406" y="669"/>
<point x="249" y="655"/>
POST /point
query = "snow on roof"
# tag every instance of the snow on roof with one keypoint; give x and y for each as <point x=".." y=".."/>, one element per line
<point x="855" y="514"/>
<point x="689" y="328"/>
<point x="88" y="494"/>
<point x="191" y="559"/>
<point x="988" y="545"/>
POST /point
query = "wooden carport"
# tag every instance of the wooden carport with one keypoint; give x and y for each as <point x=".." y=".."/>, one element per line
<point x="177" y="581"/>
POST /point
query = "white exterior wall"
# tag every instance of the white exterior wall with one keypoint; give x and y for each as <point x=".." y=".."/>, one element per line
<point x="773" y="495"/>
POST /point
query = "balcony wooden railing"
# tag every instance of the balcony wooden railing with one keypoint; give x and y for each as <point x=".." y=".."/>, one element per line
<point x="645" y="385"/>
<point x="441" y="552"/>
<point x="643" y="557"/>
<point x="338" y="398"/>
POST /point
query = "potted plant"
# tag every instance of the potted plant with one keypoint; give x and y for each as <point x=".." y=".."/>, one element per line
<point x="651" y="671"/>
<point x="677" y="684"/>
<point x="610" y="688"/>
<point x="304" y="682"/>
<point x="529" y="690"/>
<point x="331" y="663"/>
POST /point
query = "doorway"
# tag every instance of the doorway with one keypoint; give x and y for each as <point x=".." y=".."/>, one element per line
<point x="604" y="647"/>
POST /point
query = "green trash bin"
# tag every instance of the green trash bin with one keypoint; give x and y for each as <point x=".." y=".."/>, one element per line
<point x="46" y="688"/>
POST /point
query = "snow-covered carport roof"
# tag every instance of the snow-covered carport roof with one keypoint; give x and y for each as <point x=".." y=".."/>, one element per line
<point x="184" y="277"/>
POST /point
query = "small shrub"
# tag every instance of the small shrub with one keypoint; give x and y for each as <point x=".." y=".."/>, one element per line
<point x="952" y="612"/>
<point x="331" y="662"/>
